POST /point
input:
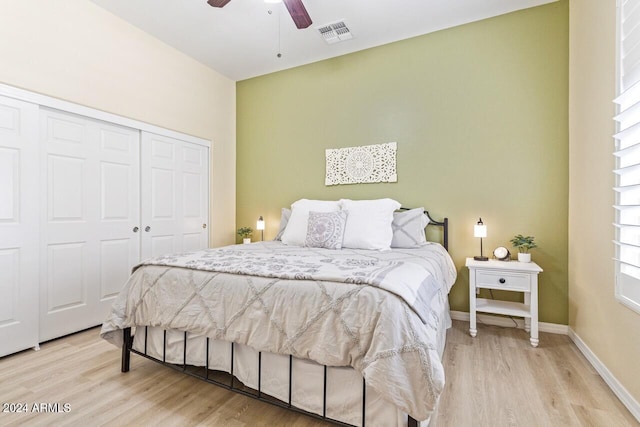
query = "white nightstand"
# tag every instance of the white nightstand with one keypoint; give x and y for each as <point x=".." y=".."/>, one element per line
<point x="508" y="276"/>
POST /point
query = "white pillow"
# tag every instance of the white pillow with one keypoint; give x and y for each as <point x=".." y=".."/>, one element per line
<point x="296" y="232"/>
<point x="369" y="223"/>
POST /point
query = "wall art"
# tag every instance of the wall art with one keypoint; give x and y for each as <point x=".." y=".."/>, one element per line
<point x="364" y="164"/>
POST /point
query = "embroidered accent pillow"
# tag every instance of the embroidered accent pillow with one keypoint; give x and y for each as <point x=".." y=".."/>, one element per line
<point x="408" y="228"/>
<point x="326" y="229"/>
<point x="296" y="231"/>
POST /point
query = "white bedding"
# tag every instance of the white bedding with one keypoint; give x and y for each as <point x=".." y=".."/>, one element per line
<point x="379" y="335"/>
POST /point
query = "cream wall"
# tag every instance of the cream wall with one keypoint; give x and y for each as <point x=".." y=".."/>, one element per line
<point x="76" y="51"/>
<point x="611" y="330"/>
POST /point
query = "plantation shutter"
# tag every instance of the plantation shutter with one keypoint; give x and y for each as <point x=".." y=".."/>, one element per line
<point x="627" y="153"/>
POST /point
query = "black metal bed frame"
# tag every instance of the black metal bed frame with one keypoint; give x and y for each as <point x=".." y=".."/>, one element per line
<point x="127" y="349"/>
<point x="444" y="224"/>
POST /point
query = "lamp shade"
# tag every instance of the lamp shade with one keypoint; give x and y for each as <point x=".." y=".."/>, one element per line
<point x="260" y="223"/>
<point x="480" y="230"/>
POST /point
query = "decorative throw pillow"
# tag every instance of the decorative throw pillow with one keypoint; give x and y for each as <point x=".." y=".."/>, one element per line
<point x="326" y="229"/>
<point x="284" y="219"/>
<point x="296" y="232"/>
<point x="369" y="223"/>
<point x="408" y="228"/>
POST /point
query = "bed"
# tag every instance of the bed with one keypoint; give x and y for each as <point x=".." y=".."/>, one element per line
<point x="350" y="335"/>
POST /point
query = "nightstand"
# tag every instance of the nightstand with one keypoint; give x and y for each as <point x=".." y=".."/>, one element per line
<point x="507" y="276"/>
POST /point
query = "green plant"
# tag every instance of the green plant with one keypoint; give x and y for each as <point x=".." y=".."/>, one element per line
<point x="523" y="243"/>
<point x="245" y="232"/>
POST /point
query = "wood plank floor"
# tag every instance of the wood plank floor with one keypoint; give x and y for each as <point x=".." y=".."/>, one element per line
<point x="496" y="379"/>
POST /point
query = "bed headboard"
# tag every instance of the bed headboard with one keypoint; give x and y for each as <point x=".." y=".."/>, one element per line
<point x="444" y="224"/>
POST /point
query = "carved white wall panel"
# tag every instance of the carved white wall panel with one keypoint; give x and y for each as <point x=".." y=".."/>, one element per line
<point x="364" y="164"/>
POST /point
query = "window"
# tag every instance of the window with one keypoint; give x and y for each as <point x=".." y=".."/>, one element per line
<point x="627" y="153"/>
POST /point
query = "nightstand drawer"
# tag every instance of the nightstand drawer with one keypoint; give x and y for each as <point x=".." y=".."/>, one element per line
<point x="502" y="280"/>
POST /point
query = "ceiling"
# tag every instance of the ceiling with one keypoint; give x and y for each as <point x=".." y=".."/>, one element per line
<point x="242" y="40"/>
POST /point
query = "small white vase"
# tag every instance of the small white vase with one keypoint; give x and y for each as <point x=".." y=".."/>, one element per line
<point x="524" y="257"/>
<point x="246" y="240"/>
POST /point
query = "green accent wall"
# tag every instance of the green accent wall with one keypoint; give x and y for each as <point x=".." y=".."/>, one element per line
<point x="480" y="115"/>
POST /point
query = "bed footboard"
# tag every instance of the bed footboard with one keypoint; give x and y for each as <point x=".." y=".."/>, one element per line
<point x="127" y="349"/>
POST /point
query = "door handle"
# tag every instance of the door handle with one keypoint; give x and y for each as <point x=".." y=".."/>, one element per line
<point x="204" y="225"/>
<point x="135" y="229"/>
<point x="147" y="228"/>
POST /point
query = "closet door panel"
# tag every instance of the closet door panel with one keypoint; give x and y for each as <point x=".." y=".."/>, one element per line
<point x="195" y="190"/>
<point x="18" y="225"/>
<point x="67" y="252"/>
<point x="161" y="214"/>
<point x="88" y="241"/>
<point x="174" y="177"/>
<point x="119" y="212"/>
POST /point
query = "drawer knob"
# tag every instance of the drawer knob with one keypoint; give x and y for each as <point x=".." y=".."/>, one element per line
<point x="502" y="280"/>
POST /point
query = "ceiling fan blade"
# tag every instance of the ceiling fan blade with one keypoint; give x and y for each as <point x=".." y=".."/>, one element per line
<point x="298" y="13"/>
<point x="218" y="3"/>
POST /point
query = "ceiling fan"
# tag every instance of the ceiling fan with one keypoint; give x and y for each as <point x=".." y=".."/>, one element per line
<point x="295" y="7"/>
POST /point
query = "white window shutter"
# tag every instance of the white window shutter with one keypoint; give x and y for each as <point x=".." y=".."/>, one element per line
<point x="627" y="153"/>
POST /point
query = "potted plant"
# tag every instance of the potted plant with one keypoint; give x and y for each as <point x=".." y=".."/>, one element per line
<point x="245" y="233"/>
<point x="523" y="243"/>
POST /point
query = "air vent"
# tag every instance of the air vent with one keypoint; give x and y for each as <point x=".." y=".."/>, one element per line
<point x="335" y="32"/>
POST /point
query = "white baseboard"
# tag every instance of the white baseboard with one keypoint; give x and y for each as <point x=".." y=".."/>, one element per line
<point x="508" y="322"/>
<point x="618" y="389"/>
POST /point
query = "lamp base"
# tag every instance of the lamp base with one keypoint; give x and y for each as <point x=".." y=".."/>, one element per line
<point x="481" y="258"/>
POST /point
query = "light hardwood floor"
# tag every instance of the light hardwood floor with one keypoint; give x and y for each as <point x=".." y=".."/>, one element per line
<point x="496" y="379"/>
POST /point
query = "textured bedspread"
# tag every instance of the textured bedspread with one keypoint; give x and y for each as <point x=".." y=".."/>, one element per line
<point x="340" y="308"/>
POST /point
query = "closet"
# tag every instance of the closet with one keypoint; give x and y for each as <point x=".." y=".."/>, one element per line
<point x="82" y="201"/>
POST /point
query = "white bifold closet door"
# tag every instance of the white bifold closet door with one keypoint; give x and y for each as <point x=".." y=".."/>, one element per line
<point x="90" y="210"/>
<point x="175" y="187"/>
<point x="19" y="222"/>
